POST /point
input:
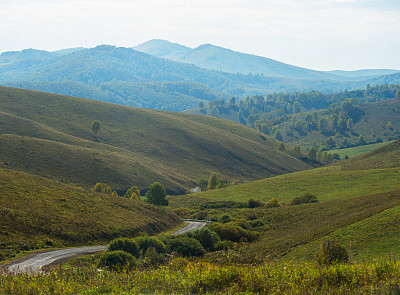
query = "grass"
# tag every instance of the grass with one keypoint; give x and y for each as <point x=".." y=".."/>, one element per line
<point x="180" y="276"/>
<point x="143" y="145"/>
<point x="372" y="238"/>
<point x="288" y="227"/>
<point x="387" y="156"/>
<point x="355" y="151"/>
<point x="38" y="213"/>
<point x="327" y="183"/>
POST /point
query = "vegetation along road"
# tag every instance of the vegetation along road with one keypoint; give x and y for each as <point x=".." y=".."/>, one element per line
<point x="35" y="262"/>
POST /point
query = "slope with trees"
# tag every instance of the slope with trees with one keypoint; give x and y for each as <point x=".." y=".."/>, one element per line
<point x="132" y="147"/>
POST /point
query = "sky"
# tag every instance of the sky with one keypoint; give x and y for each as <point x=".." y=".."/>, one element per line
<point x="316" y="34"/>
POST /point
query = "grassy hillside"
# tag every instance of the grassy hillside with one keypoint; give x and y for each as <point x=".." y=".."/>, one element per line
<point x="328" y="183"/>
<point x="133" y="146"/>
<point x="387" y="156"/>
<point x="357" y="150"/>
<point x="34" y="209"/>
<point x="373" y="124"/>
<point x="375" y="237"/>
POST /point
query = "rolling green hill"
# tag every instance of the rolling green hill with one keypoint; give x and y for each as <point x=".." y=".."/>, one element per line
<point x="374" y="172"/>
<point x="387" y="156"/>
<point x="50" y="135"/>
<point x="34" y="209"/>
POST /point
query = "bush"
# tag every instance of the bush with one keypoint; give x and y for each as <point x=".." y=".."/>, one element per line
<point x="224" y="245"/>
<point x="304" y="199"/>
<point x="147" y="242"/>
<point x="251" y="203"/>
<point x="124" y="244"/>
<point x="185" y="246"/>
<point x="332" y="252"/>
<point x="225" y="218"/>
<point x="207" y="238"/>
<point x="116" y="260"/>
<point x="231" y="232"/>
<point x="272" y="203"/>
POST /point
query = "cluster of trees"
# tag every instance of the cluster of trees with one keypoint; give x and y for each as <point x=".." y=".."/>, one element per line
<point x="213" y="182"/>
<point x="156" y="193"/>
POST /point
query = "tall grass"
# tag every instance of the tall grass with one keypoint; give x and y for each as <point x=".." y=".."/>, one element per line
<point x="196" y="277"/>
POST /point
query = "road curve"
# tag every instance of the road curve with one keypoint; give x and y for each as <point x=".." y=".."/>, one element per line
<point x="33" y="263"/>
<point x="190" y="226"/>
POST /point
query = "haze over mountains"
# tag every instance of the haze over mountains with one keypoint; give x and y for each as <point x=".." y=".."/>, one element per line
<point x="213" y="57"/>
<point x="129" y="77"/>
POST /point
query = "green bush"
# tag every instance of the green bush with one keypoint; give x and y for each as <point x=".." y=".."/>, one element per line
<point x="117" y="260"/>
<point x="185" y="246"/>
<point x="147" y="242"/>
<point x="251" y="203"/>
<point x="232" y="232"/>
<point x="207" y="238"/>
<point x="304" y="199"/>
<point x="272" y="203"/>
<point x="332" y="252"/>
<point x="224" y="245"/>
<point x="126" y="245"/>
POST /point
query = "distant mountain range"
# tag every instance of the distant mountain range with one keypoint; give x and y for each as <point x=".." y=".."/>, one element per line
<point x="130" y="77"/>
<point x="213" y="57"/>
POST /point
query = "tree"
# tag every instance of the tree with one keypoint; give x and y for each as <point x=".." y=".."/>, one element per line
<point x="212" y="181"/>
<point x="96" y="126"/>
<point x="202" y="183"/>
<point x="398" y="94"/>
<point x="201" y="105"/>
<point x="259" y="127"/>
<point x="281" y="147"/>
<point x="297" y="150"/>
<point x="156" y="194"/>
<point x="133" y="193"/>
<point x="312" y="154"/>
<point x="278" y="135"/>
<point x="350" y="124"/>
<point x="102" y="188"/>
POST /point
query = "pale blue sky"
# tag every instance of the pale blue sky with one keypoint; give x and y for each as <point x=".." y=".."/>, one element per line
<point x="318" y="34"/>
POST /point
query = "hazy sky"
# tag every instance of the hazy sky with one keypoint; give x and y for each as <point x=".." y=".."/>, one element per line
<point x="318" y="34"/>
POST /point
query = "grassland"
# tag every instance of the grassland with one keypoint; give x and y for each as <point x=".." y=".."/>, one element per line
<point x="327" y="183"/>
<point x="141" y="146"/>
<point x="358" y="150"/>
<point x="181" y="276"/>
<point x="34" y="209"/>
<point x="372" y="238"/>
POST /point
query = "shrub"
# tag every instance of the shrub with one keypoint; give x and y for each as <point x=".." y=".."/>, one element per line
<point x="231" y="232"/>
<point x="272" y="203"/>
<point x="224" y="245"/>
<point x="124" y="244"/>
<point x="185" y="246"/>
<point x="225" y="218"/>
<point x="207" y="238"/>
<point x="332" y="252"/>
<point x="304" y="199"/>
<point x="147" y="242"/>
<point x="251" y="203"/>
<point x="116" y="260"/>
<point x="154" y="258"/>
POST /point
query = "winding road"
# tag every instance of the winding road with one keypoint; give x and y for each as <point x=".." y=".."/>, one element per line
<point x="34" y="263"/>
